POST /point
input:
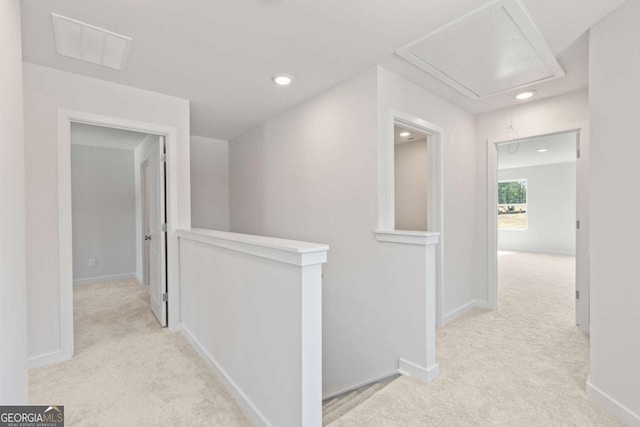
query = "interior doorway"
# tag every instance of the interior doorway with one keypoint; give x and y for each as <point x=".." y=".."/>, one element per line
<point x="118" y="210"/>
<point x="173" y="185"/>
<point x="536" y="209"/>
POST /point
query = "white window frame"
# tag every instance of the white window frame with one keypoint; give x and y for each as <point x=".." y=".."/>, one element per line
<point x="527" y="212"/>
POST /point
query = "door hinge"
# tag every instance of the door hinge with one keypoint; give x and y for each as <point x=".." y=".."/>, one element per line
<point x="165" y="297"/>
<point x="578" y="153"/>
<point x="577" y="294"/>
<point x="578" y="224"/>
<point x="163" y="157"/>
<point x="164" y="227"/>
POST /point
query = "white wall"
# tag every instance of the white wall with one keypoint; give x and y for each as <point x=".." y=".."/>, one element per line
<point x="615" y="126"/>
<point x="459" y="196"/>
<point x="311" y="174"/>
<point x="531" y="118"/>
<point x="45" y="91"/>
<point x="551" y="210"/>
<point x="411" y="183"/>
<point x="148" y="146"/>
<point x="209" y="183"/>
<point x="13" y="316"/>
<point x="103" y="212"/>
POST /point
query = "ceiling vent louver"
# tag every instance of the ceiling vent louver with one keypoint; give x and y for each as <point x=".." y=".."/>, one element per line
<point x="89" y="43"/>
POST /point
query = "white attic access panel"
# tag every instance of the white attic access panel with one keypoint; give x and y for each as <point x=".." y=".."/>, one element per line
<point x="492" y="50"/>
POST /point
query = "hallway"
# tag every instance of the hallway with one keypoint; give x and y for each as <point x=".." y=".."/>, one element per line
<point x="525" y="364"/>
<point x="128" y="371"/>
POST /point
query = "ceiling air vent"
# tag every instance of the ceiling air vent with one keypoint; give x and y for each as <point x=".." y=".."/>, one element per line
<point x="492" y="50"/>
<point x="86" y="42"/>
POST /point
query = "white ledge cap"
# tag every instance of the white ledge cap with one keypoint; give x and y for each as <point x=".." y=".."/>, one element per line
<point x="287" y="251"/>
<point x="408" y="237"/>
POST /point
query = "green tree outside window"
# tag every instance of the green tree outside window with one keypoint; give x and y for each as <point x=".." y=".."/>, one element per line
<point x="512" y="192"/>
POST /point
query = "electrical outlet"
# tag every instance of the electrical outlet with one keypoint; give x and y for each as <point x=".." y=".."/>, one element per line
<point x="92" y="262"/>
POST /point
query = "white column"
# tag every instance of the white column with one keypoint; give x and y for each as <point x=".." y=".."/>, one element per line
<point x="312" y="346"/>
<point x="431" y="264"/>
<point x="423" y="367"/>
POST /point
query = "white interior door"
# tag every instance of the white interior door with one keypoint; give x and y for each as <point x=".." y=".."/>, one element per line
<point x="157" y="234"/>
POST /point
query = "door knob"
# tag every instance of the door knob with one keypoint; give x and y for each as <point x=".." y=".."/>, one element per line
<point x="147" y="237"/>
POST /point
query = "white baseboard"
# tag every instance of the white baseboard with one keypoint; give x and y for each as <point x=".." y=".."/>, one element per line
<point x="139" y="278"/>
<point x="47" y="359"/>
<point x="462" y="310"/>
<point x="539" y="251"/>
<point x="612" y="406"/>
<point x="418" y="372"/>
<point x="100" y="279"/>
<point x="358" y="385"/>
<point x="249" y="408"/>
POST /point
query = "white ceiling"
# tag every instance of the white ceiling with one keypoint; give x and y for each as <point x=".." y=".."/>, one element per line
<point x="221" y="54"/>
<point x="561" y="148"/>
<point x="100" y="136"/>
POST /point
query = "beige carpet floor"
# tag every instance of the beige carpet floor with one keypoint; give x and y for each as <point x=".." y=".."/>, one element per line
<point x="524" y="365"/>
<point x="128" y="371"/>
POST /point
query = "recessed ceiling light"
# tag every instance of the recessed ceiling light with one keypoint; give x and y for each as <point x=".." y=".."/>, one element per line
<point x="543" y="150"/>
<point x="525" y="95"/>
<point x="405" y="134"/>
<point x="282" y="79"/>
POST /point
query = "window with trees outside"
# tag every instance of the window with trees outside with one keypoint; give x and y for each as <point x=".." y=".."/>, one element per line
<point x="512" y="205"/>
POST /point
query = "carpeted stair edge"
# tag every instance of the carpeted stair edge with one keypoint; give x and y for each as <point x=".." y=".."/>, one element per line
<point x="339" y="410"/>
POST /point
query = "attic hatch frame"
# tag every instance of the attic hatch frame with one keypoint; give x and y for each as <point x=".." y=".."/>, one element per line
<point x="517" y="14"/>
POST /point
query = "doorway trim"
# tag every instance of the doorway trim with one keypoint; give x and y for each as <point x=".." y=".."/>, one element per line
<point x="582" y="256"/>
<point x="435" y="193"/>
<point x="144" y="210"/>
<point x="65" y="242"/>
